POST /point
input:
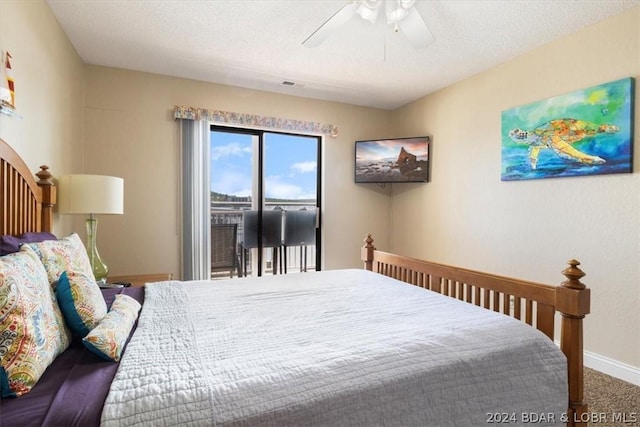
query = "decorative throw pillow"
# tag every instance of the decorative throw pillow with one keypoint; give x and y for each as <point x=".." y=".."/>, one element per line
<point x="32" y="330"/>
<point x="108" y="339"/>
<point x="10" y="244"/>
<point x="66" y="254"/>
<point x="81" y="301"/>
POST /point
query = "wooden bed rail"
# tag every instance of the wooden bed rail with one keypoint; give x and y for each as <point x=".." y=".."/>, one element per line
<point x="533" y="303"/>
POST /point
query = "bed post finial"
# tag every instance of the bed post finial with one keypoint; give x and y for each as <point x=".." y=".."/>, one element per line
<point x="574" y="274"/>
<point x="367" y="252"/>
<point x="573" y="300"/>
<point x="48" y="197"/>
<point x="44" y="175"/>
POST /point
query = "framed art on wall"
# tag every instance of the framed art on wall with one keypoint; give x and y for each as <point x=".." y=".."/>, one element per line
<point x="392" y="160"/>
<point x="586" y="132"/>
<point x="7" y="86"/>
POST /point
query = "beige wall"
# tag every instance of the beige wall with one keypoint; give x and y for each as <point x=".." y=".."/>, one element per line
<point x="130" y="132"/>
<point x="467" y="216"/>
<point x="49" y="80"/>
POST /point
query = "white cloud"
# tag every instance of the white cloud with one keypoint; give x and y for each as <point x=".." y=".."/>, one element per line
<point x="281" y="190"/>
<point x="304" y="167"/>
<point x="231" y="183"/>
<point x="278" y="189"/>
<point x="232" y="149"/>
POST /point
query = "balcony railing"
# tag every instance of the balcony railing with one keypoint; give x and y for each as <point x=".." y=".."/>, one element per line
<point x="232" y="212"/>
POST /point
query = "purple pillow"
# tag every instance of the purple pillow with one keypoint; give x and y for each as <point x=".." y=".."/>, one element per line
<point x="10" y="244"/>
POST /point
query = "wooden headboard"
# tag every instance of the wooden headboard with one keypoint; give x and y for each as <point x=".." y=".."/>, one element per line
<point x="26" y="205"/>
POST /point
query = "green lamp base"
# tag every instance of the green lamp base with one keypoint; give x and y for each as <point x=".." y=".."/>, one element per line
<point x="99" y="268"/>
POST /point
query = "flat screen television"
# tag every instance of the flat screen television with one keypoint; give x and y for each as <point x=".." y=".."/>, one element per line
<point x="392" y="160"/>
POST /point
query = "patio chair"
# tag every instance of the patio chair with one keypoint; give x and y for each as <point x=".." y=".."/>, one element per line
<point x="224" y="248"/>
<point x="271" y="235"/>
<point x="299" y="230"/>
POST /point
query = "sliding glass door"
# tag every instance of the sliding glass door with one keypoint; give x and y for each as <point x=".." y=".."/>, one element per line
<point x="266" y="187"/>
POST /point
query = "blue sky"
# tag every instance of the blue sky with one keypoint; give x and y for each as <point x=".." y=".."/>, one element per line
<point x="290" y="165"/>
<point x="389" y="149"/>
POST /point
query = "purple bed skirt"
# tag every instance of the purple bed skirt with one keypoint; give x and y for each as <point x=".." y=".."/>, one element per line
<point x="72" y="390"/>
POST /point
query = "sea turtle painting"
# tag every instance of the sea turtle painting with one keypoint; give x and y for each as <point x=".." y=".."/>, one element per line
<point x="559" y="135"/>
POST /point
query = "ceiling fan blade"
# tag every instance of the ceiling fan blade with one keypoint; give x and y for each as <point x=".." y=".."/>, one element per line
<point x="338" y="19"/>
<point x="416" y="30"/>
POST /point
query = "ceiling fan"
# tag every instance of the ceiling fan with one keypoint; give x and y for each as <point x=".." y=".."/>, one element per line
<point x="402" y="14"/>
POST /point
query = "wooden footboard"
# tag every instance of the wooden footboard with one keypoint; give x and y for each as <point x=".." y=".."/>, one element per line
<point x="533" y="303"/>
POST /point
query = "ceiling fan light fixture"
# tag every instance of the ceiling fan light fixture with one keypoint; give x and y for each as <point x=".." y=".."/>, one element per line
<point x="401" y="13"/>
<point x="368" y="10"/>
<point x="397" y="10"/>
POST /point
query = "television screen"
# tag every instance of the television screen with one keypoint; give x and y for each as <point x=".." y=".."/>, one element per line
<point x="392" y="160"/>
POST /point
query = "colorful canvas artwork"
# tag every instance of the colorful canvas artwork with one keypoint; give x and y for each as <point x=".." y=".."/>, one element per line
<point x="587" y="132"/>
<point x="7" y="89"/>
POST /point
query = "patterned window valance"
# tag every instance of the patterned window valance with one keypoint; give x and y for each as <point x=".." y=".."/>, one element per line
<point x="239" y="119"/>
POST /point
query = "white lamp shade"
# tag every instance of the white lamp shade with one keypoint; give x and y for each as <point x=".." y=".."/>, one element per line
<point x="91" y="194"/>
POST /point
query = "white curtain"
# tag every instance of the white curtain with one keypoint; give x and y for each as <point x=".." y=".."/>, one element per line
<point x="196" y="199"/>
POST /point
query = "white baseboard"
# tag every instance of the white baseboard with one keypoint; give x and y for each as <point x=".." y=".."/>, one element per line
<point x="609" y="366"/>
<point x="612" y="367"/>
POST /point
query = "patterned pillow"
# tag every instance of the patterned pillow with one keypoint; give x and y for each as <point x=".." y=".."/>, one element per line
<point x="108" y="339"/>
<point x="66" y="254"/>
<point x="32" y="330"/>
<point x="81" y="301"/>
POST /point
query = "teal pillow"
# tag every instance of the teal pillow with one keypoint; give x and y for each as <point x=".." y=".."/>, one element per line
<point x="107" y="340"/>
<point x="81" y="302"/>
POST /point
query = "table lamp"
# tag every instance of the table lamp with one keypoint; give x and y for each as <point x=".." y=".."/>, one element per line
<point x="92" y="195"/>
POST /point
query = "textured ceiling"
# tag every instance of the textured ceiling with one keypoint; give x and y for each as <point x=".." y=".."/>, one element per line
<point x="257" y="43"/>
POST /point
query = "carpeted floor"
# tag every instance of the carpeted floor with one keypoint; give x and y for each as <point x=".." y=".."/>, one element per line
<point x="612" y="402"/>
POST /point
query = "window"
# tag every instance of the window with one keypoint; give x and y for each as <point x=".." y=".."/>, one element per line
<point x="268" y="183"/>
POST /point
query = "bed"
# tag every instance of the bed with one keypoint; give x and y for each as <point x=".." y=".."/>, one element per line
<point x="400" y="342"/>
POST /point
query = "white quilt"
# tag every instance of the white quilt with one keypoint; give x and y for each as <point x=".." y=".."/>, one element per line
<point x="335" y="348"/>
